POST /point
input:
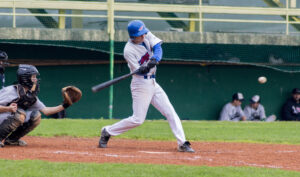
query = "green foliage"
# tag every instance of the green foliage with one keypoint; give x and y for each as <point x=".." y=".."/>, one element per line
<point x="37" y="168"/>
<point x="262" y="132"/>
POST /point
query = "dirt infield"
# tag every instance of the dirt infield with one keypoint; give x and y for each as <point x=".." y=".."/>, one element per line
<point x="67" y="149"/>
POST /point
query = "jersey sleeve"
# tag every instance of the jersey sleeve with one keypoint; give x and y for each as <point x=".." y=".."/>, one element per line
<point x="247" y="112"/>
<point x="224" y="116"/>
<point x="241" y="112"/>
<point x="157" y="52"/>
<point x="131" y="59"/>
<point x="262" y="113"/>
<point x="37" y="106"/>
<point x="153" y="40"/>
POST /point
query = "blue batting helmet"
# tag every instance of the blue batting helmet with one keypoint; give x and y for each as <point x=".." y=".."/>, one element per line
<point x="136" y="28"/>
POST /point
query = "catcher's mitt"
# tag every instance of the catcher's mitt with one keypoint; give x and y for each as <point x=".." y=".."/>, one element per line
<point x="71" y="94"/>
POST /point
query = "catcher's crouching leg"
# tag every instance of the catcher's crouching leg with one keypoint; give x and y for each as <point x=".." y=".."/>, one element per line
<point x="10" y="124"/>
<point x="14" y="138"/>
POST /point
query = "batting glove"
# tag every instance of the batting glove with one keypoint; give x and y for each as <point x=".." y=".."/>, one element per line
<point x="152" y="63"/>
<point x="143" y="70"/>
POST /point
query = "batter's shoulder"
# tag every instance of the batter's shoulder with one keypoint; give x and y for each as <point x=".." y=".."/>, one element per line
<point x="129" y="48"/>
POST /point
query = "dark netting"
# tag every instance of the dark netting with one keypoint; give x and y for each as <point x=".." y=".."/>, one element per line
<point x="283" y="58"/>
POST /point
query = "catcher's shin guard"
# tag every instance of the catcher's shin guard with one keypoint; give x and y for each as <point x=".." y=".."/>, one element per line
<point x="14" y="138"/>
<point x="10" y="124"/>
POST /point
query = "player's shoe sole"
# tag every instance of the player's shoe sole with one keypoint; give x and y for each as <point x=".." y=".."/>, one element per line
<point x="15" y="143"/>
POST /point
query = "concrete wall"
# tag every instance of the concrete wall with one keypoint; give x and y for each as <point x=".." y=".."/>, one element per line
<point x="169" y="37"/>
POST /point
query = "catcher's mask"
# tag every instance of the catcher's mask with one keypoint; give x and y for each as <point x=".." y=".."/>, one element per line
<point x="24" y="75"/>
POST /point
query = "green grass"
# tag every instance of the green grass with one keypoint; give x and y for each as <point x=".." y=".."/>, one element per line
<point x="262" y="132"/>
<point x="36" y="168"/>
<point x="258" y="132"/>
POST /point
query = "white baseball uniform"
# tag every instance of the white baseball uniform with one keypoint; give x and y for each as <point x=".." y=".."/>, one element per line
<point x="146" y="90"/>
<point x="231" y="113"/>
<point x="257" y="114"/>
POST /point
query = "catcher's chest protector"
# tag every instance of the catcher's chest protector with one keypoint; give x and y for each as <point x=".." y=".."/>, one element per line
<point x="24" y="100"/>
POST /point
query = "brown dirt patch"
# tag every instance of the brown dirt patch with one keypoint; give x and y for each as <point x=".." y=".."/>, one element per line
<point x="67" y="149"/>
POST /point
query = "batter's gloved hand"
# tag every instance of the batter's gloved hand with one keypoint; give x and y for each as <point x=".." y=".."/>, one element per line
<point x="71" y="94"/>
<point x="143" y="70"/>
<point x="152" y="63"/>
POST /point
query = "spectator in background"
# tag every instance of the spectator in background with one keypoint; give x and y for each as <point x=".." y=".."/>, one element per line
<point x="232" y="111"/>
<point x="256" y="111"/>
<point x="291" y="108"/>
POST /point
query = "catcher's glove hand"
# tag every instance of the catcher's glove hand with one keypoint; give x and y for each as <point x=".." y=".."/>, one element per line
<point x="71" y="94"/>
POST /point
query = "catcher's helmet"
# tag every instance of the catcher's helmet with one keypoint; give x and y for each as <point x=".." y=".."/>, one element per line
<point x="136" y="28"/>
<point x="24" y="74"/>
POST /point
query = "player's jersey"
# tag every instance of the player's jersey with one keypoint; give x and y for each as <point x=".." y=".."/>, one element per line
<point x="137" y="55"/>
<point x="231" y="113"/>
<point x="8" y="94"/>
<point x="255" y="114"/>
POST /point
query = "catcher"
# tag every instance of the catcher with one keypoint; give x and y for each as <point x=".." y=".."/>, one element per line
<point x="20" y="106"/>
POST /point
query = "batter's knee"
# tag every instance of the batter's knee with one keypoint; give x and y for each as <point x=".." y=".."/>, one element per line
<point x="137" y="121"/>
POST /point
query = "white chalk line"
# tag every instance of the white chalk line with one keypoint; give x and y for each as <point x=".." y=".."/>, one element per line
<point x="258" y="165"/>
<point x="194" y="158"/>
<point x="152" y="152"/>
<point x="286" y="151"/>
<point x="170" y="157"/>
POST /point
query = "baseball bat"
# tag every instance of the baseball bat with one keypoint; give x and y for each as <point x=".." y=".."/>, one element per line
<point x="103" y="85"/>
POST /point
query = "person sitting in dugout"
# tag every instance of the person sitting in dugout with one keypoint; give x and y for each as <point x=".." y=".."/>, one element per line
<point x="20" y="107"/>
<point x="232" y="111"/>
<point x="291" y="108"/>
<point x="255" y="111"/>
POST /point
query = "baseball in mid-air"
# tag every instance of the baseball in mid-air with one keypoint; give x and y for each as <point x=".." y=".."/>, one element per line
<point x="262" y="79"/>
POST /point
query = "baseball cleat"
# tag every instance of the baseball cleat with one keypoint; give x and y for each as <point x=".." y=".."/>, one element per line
<point x="104" y="138"/>
<point x="15" y="142"/>
<point x="1" y="145"/>
<point x="185" y="147"/>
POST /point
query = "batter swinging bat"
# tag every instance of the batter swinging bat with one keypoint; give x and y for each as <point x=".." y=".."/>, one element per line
<point x="99" y="87"/>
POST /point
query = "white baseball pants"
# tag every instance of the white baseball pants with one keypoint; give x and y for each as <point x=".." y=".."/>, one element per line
<point x="146" y="91"/>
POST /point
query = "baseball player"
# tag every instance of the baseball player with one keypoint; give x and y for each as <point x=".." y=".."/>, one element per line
<point x="143" y="51"/>
<point x="256" y="111"/>
<point x="291" y="108"/>
<point x="20" y="107"/>
<point x="232" y="111"/>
